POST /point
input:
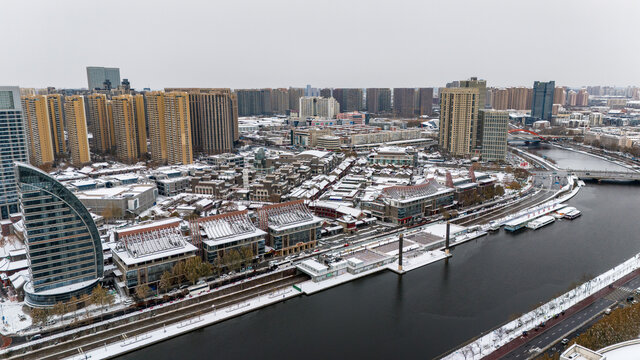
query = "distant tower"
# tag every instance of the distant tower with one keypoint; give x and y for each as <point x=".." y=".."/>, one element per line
<point x="542" y="101"/>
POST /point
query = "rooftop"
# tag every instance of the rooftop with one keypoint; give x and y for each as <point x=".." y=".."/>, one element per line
<point x="151" y="241"/>
<point x="225" y="228"/>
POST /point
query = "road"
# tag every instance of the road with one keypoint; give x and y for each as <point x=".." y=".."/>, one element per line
<point x="568" y="325"/>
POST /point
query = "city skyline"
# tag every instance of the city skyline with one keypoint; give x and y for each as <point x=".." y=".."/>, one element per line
<point x="531" y="51"/>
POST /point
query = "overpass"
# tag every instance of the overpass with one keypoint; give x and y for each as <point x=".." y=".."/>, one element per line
<point x="607" y="175"/>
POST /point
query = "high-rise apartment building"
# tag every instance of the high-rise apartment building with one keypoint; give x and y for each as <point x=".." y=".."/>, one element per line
<point x="294" y="98"/>
<point x="214" y="119"/>
<point x="315" y="106"/>
<point x="378" y="100"/>
<point x="349" y="99"/>
<point x="178" y="128"/>
<point x="582" y="98"/>
<point x="96" y="77"/>
<point x="125" y="128"/>
<point x="519" y="98"/>
<point x="404" y="102"/>
<point x="476" y="127"/>
<point x="560" y="96"/>
<point x="13" y="147"/>
<point x="500" y="99"/>
<point x="481" y="85"/>
<point x="38" y="130"/>
<point x="63" y="244"/>
<point x="425" y="101"/>
<point x="279" y="101"/>
<point x="99" y="122"/>
<point x="542" y="102"/>
<point x="139" y="114"/>
<point x="495" y="128"/>
<point x="56" y="116"/>
<point x="458" y="109"/>
<point x="572" y="98"/>
<point x="157" y="129"/>
<point x="77" y="130"/>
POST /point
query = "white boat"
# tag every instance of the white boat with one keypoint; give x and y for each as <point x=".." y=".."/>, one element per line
<point x="572" y="214"/>
<point x="540" y="222"/>
<point x="494" y="226"/>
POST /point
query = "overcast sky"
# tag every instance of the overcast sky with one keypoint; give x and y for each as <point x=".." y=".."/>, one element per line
<point x="335" y="43"/>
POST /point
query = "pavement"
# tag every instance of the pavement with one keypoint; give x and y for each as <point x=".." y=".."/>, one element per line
<point x="568" y="324"/>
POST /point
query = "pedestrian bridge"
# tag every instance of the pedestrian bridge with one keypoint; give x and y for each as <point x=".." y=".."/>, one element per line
<point x="607" y="175"/>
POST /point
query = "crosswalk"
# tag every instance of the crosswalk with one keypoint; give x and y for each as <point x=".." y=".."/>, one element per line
<point x="619" y="293"/>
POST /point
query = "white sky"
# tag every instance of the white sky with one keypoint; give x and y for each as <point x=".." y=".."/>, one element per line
<point x="326" y="43"/>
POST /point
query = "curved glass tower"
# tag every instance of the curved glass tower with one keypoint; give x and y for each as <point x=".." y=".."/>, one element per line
<point x="63" y="245"/>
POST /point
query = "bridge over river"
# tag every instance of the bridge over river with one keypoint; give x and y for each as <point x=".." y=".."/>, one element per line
<point x="607" y="175"/>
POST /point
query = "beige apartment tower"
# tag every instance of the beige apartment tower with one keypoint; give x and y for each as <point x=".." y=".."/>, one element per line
<point x="56" y="116"/>
<point x="458" y="110"/>
<point x="100" y="123"/>
<point x="77" y="130"/>
<point x="500" y="99"/>
<point x="141" y="123"/>
<point x="170" y="127"/>
<point x="214" y="119"/>
<point x="124" y="122"/>
<point x="38" y="130"/>
<point x="178" y="128"/>
<point x="157" y="130"/>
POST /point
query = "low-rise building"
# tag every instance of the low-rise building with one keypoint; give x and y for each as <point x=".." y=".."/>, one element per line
<point x="290" y="227"/>
<point x="402" y="204"/>
<point x="393" y="155"/>
<point x="142" y="253"/>
<point x="232" y="231"/>
<point x="120" y="200"/>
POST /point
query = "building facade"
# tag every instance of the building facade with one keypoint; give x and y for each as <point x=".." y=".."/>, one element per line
<point x="99" y="123"/>
<point x="458" y="109"/>
<point x="542" y="101"/>
<point x="77" y="130"/>
<point x="13" y="147"/>
<point x="214" y="119"/>
<point x="63" y="244"/>
<point x="143" y="253"/>
<point x="228" y="232"/>
<point x="315" y="106"/>
<point x="125" y="126"/>
<point x="56" y="116"/>
<point x="290" y="227"/>
<point x="378" y="100"/>
<point x="38" y="130"/>
<point x="96" y="77"/>
<point x="404" y="102"/>
<point x="495" y="125"/>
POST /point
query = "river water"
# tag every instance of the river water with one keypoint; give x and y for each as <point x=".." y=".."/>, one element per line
<point x="431" y="310"/>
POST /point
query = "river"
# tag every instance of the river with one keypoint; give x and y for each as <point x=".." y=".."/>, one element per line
<point x="431" y="310"/>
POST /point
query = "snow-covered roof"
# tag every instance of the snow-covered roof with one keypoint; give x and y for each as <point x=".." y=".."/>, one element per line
<point x="156" y="240"/>
<point x="225" y="228"/>
<point x="316" y="153"/>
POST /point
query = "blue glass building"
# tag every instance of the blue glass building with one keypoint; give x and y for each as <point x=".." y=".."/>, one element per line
<point x="542" y="102"/>
<point x="64" y="250"/>
<point x="13" y="147"/>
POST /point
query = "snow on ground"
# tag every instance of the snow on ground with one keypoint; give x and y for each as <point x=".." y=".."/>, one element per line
<point x="14" y="319"/>
<point x="165" y="332"/>
<point x="411" y="263"/>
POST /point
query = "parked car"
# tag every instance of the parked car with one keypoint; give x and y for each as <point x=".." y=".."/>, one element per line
<point x="565" y="341"/>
